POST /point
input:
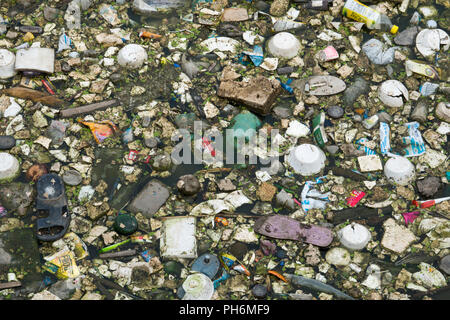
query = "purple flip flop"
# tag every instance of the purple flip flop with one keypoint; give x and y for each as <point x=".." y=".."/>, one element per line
<point x="282" y="227"/>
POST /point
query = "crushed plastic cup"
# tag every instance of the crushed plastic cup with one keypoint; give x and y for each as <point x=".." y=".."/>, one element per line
<point x="132" y="56"/>
<point x="399" y="171"/>
<point x="284" y="45"/>
<point x="328" y="54"/>
<point x="429" y="41"/>
<point x="35" y="59"/>
<point x="392" y="93"/>
<point x="220" y="44"/>
<point x="7" y="62"/>
<point x="198" y="287"/>
<point x="306" y="159"/>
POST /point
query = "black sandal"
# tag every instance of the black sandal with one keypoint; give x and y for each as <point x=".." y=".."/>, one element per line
<point x="53" y="218"/>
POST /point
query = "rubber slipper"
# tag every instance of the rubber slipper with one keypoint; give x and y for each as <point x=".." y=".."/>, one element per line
<point x="51" y="204"/>
<point x="281" y="227"/>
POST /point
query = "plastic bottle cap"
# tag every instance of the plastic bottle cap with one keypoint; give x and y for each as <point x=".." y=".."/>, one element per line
<point x="394" y="29"/>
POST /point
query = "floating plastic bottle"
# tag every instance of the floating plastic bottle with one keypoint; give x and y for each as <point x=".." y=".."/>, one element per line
<point x="373" y="19"/>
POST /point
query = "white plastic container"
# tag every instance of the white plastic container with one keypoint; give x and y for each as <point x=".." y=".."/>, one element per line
<point x="7" y="63"/>
<point x="198" y="287"/>
<point x="399" y="170"/>
<point x="178" y="238"/>
<point x="284" y="45"/>
<point x="132" y="56"/>
<point x="354" y="236"/>
<point x="9" y="166"/>
<point x="306" y="159"/>
<point x="36" y="59"/>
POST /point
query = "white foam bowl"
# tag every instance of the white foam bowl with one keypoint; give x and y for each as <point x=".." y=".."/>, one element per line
<point x="9" y="166"/>
<point x="198" y="287"/>
<point x="306" y="159"/>
<point x="354" y="236"/>
<point x="399" y="170"/>
<point x="284" y="45"/>
<point x="132" y="56"/>
<point x="7" y="63"/>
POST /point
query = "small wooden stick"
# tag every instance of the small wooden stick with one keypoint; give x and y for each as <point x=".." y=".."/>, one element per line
<point x="11" y="284"/>
<point x="125" y="253"/>
<point x="67" y="113"/>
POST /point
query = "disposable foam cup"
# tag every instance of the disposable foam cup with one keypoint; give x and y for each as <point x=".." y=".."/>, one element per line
<point x="284" y="45"/>
<point x="354" y="236"/>
<point x="399" y="170"/>
<point x="306" y="159"/>
<point x="9" y="166"/>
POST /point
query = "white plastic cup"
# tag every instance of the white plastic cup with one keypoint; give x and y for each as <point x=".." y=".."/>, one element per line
<point x="132" y="56"/>
<point x="284" y="45"/>
<point x="198" y="287"/>
<point x="9" y="166"/>
<point x="7" y="63"/>
<point x="399" y="170"/>
<point x="354" y="236"/>
<point x="306" y="159"/>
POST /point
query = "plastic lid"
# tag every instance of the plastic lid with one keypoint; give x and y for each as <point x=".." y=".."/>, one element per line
<point x="394" y="29"/>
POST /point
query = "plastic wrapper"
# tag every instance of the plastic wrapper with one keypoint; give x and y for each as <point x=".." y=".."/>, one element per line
<point x="309" y="194"/>
<point x="319" y="129"/>
<point x="3" y="212"/>
<point x="410" y="216"/>
<point x="355" y="197"/>
<point x="415" y="145"/>
<point x="146" y="255"/>
<point x="101" y="130"/>
<point x="62" y="264"/>
<point x="421" y="68"/>
<point x="109" y="14"/>
<point x="256" y="56"/>
<point x="360" y="145"/>
<point x="76" y="245"/>
<point x="64" y="43"/>
<point x="385" y="144"/>
<point x="378" y="53"/>
<point x="283" y="25"/>
<point x="428" y="89"/>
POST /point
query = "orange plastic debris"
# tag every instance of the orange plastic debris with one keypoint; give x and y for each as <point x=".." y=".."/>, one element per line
<point x="221" y="220"/>
<point x="149" y="35"/>
<point x="276" y="274"/>
<point x="101" y="130"/>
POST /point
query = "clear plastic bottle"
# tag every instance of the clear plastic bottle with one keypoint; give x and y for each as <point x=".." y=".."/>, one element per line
<point x="355" y="10"/>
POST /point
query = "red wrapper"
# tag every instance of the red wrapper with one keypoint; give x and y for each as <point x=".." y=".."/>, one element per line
<point x="355" y="197"/>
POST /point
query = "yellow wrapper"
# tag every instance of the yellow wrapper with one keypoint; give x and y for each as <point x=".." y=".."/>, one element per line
<point x="65" y="261"/>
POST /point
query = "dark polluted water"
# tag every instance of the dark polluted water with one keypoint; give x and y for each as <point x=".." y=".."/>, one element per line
<point x="179" y="80"/>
